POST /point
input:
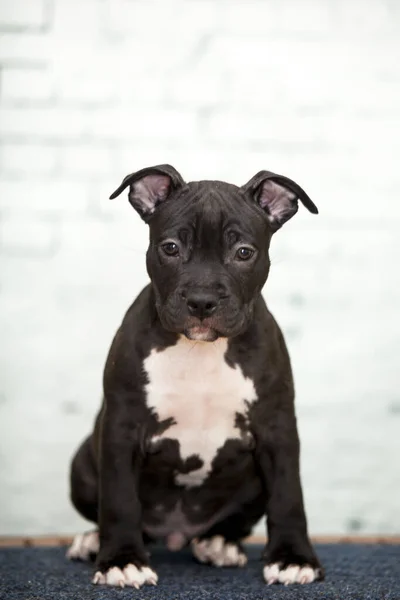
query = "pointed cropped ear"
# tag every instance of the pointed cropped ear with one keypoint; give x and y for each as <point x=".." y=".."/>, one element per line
<point x="278" y="196"/>
<point x="149" y="187"/>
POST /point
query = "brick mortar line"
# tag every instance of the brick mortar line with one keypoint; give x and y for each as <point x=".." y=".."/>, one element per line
<point x="21" y="29"/>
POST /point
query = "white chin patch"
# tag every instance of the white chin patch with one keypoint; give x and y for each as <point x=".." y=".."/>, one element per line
<point x="201" y="334"/>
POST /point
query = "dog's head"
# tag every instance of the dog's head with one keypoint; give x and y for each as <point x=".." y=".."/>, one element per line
<point x="209" y="240"/>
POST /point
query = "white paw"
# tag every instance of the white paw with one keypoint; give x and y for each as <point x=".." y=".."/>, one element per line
<point x="218" y="552"/>
<point x="129" y="575"/>
<point x="83" y="545"/>
<point x="291" y="574"/>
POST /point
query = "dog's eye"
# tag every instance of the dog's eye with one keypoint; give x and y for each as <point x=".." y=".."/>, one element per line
<point x="171" y="249"/>
<point x="244" y="253"/>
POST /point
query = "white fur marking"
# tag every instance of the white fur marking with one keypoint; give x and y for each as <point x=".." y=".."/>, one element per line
<point x="218" y="552"/>
<point x="83" y="545"/>
<point x="130" y="575"/>
<point x="193" y="383"/>
<point x="291" y="574"/>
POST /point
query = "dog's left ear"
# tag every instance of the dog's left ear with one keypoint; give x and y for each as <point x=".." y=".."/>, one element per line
<point x="149" y="187"/>
<point x="278" y="196"/>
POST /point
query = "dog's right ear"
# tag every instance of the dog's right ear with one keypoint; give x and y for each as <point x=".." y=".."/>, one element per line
<point x="150" y="187"/>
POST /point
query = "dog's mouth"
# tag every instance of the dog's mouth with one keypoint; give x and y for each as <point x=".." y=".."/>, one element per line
<point x="203" y="330"/>
<point x="201" y="333"/>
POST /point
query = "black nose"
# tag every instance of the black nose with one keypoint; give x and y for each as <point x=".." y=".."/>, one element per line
<point x="201" y="304"/>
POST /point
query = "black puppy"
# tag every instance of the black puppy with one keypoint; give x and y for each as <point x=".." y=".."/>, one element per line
<point x="196" y="438"/>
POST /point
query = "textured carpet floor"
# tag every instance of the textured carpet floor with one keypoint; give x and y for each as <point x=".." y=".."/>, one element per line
<point x="359" y="572"/>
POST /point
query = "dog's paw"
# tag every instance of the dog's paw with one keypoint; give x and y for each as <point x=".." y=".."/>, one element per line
<point x="277" y="573"/>
<point x="218" y="552"/>
<point x="84" y="546"/>
<point x="128" y="576"/>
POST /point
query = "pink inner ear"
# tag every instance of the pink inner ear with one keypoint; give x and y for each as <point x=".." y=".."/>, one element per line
<point x="278" y="202"/>
<point x="150" y="190"/>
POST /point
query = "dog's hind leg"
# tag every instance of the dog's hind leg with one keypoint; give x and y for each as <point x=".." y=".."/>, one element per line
<point x="84" y="496"/>
<point x="83" y="481"/>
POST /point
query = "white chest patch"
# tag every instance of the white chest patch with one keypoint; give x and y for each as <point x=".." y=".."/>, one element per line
<point x="192" y="383"/>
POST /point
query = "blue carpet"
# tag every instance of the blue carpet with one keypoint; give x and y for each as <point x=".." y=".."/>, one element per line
<point x="359" y="572"/>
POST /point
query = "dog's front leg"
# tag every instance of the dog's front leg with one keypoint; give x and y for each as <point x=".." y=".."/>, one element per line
<point x="289" y="556"/>
<point x="122" y="559"/>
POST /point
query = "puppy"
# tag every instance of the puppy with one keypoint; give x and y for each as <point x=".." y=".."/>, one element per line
<point x="196" y="438"/>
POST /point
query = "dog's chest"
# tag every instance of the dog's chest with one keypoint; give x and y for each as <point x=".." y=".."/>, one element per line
<point x="192" y="383"/>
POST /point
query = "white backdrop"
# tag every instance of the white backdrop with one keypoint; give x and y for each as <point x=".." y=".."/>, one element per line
<point x="94" y="89"/>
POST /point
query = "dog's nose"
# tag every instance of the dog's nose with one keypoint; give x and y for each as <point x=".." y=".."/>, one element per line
<point x="201" y="304"/>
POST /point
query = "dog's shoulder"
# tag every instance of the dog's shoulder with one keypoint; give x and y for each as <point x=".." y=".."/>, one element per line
<point x="261" y="351"/>
<point x="135" y="338"/>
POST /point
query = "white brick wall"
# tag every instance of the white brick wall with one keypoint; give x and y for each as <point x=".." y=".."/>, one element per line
<point x="93" y="89"/>
<point x="23" y="14"/>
